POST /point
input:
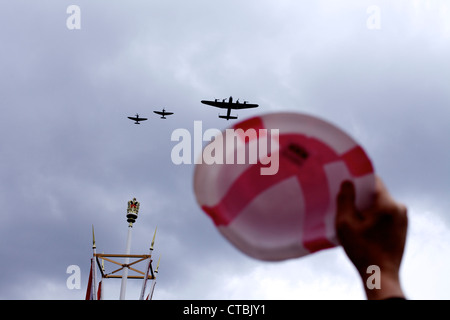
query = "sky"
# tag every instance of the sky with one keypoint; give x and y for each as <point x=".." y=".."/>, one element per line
<point x="70" y="158"/>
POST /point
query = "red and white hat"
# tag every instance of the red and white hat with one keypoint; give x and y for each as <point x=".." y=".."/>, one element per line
<point x="289" y="210"/>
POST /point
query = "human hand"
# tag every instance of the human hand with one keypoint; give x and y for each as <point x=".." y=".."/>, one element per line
<point x="375" y="236"/>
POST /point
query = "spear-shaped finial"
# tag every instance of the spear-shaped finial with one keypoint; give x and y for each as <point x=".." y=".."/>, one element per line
<point x="153" y="241"/>
<point x="157" y="265"/>
<point x="93" y="238"/>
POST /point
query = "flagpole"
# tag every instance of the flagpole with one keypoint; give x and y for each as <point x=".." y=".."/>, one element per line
<point x="94" y="280"/>
<point x="152" y="287"/>
<point x="123" y="288"/>
<point x="144" y="283"/>
<point x="89" y="286"/>
<point x="132" y="212"/>
<point x="102" y="284"/>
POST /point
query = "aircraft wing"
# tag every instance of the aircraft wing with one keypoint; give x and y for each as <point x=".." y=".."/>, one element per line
<point x="227" y="105"/>
<point x="137" y="119"/>
<point x="218" y="104"/>
<point x="243" y="105"/>
<point x="163" y="113"/>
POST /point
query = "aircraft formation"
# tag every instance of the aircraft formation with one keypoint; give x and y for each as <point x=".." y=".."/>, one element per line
<point x="162" y="113"/>
<point x="224" y="104"/>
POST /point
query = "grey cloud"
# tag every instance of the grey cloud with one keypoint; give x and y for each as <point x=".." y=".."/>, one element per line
<point x="70" y="158"/>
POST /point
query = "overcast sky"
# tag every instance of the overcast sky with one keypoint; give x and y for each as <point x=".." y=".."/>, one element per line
<point x="71" y="159"/>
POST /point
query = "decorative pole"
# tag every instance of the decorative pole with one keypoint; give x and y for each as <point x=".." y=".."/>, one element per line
<point x="101" y="282"/>
<point x="132" y="214"/>
<point x="152" y="288"/>
<point x="144" y="283"/>
<point x="94" y="280"/>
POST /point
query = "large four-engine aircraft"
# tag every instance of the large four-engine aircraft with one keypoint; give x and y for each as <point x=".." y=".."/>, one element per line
<point x="229" y="105"/>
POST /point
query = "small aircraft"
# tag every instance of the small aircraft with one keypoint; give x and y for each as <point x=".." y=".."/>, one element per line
<point x="137" y="119"/>
<point x="163" y="113"/>
<point x="229" y="105"/>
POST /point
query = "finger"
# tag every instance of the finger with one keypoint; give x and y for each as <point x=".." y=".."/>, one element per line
<point x="346" y="196"/>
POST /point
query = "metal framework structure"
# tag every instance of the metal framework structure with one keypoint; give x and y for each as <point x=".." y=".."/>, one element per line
<point x="125" y="265"/>
<point x="141" y="257"/>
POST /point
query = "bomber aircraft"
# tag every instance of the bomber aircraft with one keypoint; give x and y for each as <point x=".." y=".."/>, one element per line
<point x="229" y="105"/>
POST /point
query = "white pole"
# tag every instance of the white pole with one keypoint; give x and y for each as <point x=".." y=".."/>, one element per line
<point x="123" y="288"/>
<point x="152" y="289"/>
<point x="94" y="265"/>
<point x="103" y="272"/>
<point x="144" y="283"/>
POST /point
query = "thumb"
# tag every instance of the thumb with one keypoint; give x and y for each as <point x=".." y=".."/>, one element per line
<point x="346" y="210"/>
